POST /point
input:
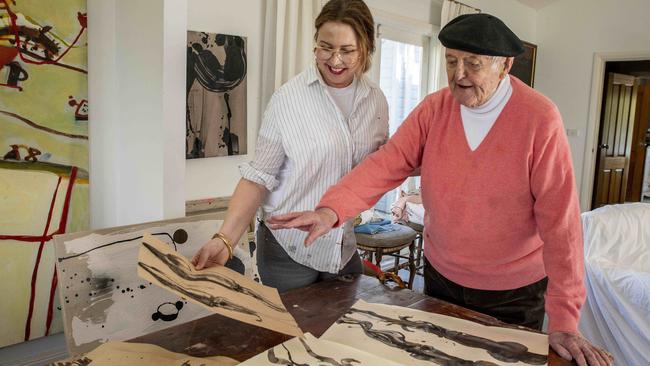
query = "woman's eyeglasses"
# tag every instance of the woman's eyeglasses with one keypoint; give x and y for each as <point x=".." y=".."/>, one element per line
<point x="348" y="57"/>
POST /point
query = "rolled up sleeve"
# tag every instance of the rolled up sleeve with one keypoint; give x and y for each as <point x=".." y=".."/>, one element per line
<point x="269" y="153"/>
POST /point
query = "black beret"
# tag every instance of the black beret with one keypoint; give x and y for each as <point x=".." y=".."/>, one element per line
<point x="482" y="34"/>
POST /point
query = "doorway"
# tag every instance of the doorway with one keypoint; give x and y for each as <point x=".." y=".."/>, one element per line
<point x="622" y="164"/>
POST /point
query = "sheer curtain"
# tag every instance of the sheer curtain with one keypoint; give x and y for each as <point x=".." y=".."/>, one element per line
<point x="288" y="41"/>
<point x="450" y="10"/>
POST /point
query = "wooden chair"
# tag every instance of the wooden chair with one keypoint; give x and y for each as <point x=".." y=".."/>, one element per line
<point x="391" y="243"/>
<point x="419" y="229"/>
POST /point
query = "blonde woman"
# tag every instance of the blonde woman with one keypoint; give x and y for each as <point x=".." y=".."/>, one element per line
<point x="316" y="128"/>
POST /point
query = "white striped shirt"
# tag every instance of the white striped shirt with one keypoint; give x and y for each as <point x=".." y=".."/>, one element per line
<point x="306" y="145"/>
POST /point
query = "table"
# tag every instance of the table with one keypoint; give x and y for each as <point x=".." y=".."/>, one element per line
<point x="315" y="308"/>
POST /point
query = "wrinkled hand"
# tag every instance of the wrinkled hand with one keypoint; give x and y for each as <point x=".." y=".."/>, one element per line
<point x="316" y="223"/>
<point x="573" y="346"/>
<point x="211" y="254"/>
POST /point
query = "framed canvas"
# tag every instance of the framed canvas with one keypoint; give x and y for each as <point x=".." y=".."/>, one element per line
<point x="44" y="183"/>
<point x="524" y="66"/>
<point x="216" y="95"/>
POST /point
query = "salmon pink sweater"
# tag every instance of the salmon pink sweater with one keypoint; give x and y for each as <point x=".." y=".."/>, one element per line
<point x="500" y="217"/>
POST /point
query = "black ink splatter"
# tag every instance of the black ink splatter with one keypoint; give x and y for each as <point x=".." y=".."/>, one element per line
<point x="167" y="311"/>
<point x="180" y="236"/>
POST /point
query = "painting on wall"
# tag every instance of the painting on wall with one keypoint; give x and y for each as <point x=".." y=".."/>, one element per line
<point x="524" y="65"/>
<point x="43" y="156"/>
<point x="215" y="95"/>
<point x="103" y="297"/>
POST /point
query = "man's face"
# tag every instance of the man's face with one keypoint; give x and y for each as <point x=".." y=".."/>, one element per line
<point x="473" y="78"/>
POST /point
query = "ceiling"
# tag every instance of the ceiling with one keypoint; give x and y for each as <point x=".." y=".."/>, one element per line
<point x="537" y="4"/>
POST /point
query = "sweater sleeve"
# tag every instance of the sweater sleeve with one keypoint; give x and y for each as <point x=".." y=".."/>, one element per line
<point x="557" y="214"/>
<point x="383" y="170"/>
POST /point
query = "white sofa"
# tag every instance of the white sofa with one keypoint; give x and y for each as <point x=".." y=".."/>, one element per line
<point x="616" y="314"/>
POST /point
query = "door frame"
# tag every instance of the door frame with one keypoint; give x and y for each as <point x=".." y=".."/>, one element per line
<point x="593" y="119"/>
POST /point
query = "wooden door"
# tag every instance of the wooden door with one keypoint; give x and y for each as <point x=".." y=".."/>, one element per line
<point x="617" y="122"/>
<point x="638" y="152"/>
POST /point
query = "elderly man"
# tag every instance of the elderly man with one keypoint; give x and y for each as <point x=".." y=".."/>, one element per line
<point x="502" y="224"/>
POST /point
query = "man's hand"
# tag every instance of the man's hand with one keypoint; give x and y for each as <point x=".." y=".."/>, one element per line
<point x="574" y="347"/>
<point x="316" y="223"/>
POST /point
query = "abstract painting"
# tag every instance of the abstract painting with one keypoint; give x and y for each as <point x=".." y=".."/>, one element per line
<point x="128" y="354"/>
<point x="523" y="66"/>
<point x="43" y="155"/>
<point x="413" y="337"/>
<point x="216" y="95"/>
<point x="308" y="350"/>
<point x="219" y="289"/>
<point x="104" y="299"/>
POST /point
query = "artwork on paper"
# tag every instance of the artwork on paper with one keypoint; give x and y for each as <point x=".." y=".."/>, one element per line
<point x="218" y="289"/>
<point x="216" y="95"/>
<point x="308" y="350"/>
<point x="142" y="354"/>
<point x="413" y="337"/>
<point x="104" y="299"/>
<point x="43" y="155"/>
<point x="523" y="66"/>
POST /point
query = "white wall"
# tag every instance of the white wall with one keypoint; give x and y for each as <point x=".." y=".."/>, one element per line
<point x="217" y="177"/>
<point x="567" y="43"/>
<point x="518" y="17"/>
<point x="415" y="9"/>
<point x="136" y="98"/>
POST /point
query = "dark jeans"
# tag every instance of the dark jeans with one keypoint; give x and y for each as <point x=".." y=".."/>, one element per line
<point x="521" y="306"/>
<point x="278" y="270"/>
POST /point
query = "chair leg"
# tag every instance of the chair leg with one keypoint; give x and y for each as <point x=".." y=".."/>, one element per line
<point x="378" y="254"/>
<point x="412" y="268"/>
<point x="418" y="259"/>
<point x="396" y="266"/>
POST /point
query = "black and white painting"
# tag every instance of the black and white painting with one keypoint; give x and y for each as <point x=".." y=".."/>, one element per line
<point x="216" y="95"/>
<point x="309" y="350"/>
<point x="103" y="298"/>
<point x="418" y="338"/>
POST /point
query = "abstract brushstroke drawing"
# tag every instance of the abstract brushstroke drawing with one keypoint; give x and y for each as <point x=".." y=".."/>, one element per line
<point x="219" y="289"/>
<point x="419" y="338"/>
<point x="104" y="299"/>
<point x="308" y="350"/>
<point x="503" y="351"/>
<point x="43" y="155"/>
<point x="216" y="95"/>
<point x="129" y="354"/>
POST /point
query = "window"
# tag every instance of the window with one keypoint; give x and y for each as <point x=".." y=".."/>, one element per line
<point x="403" y="69"/>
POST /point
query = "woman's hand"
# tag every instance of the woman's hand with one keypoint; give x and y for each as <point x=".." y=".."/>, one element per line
<point x="211" y="254"/>
<point x="316" y="223"/>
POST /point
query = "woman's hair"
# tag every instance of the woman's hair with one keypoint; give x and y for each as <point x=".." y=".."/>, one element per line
<point x="356" y="14"/>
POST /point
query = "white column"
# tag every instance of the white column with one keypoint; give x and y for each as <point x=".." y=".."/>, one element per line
<point x="136" y="97"/>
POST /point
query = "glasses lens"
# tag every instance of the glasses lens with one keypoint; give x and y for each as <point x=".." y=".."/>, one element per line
<point x="347" y="57"/>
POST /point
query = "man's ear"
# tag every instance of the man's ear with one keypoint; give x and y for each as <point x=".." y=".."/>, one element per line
<point x="507" y="65"/>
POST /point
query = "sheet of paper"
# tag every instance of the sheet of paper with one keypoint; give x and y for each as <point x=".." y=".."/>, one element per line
<point x="309" y="350"/>
<point x="129" y="354"/>
<point x="103" y="298"/>
<point x="414" y="337"/>
<point x="219" y="289"/>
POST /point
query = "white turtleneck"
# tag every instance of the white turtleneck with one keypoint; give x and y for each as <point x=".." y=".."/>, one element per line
<point x="478" y="121"/>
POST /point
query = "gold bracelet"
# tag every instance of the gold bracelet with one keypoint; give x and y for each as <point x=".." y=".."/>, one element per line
<point x="226" y="242"/>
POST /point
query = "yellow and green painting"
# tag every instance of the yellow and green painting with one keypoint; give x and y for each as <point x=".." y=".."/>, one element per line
<point x="43" y="156"/>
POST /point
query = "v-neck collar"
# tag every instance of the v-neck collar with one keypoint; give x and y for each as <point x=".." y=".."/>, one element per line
<point x="487" y="140"/>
